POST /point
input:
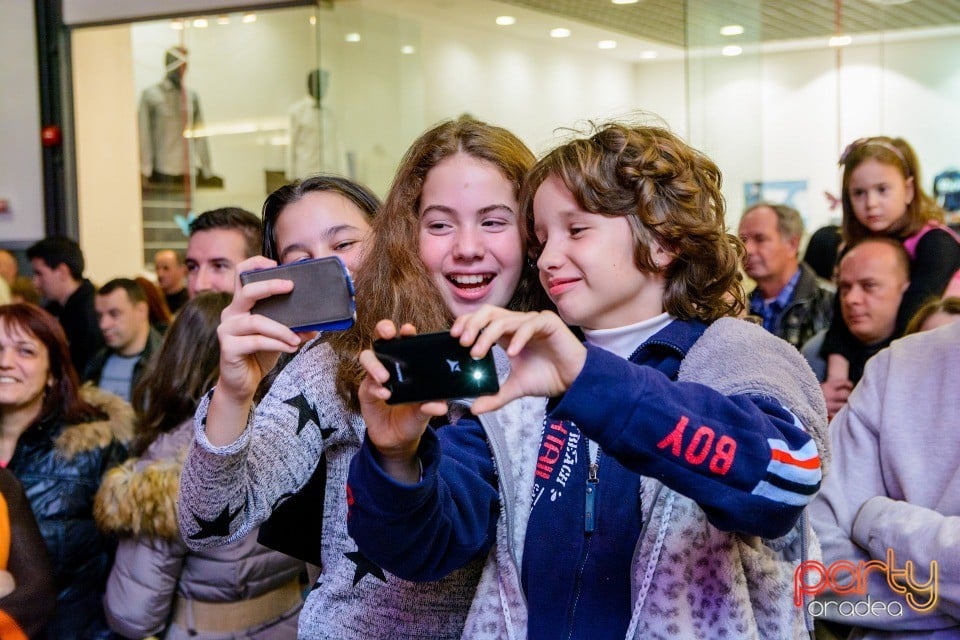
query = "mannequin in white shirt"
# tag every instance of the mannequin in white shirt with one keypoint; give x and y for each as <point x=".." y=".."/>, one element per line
<point x="167" y="109"/>
<point x="314" y="138"/>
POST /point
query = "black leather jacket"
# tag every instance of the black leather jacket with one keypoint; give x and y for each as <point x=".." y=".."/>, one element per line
<point x="60" y="467"/>
<point x="810" y="309"/>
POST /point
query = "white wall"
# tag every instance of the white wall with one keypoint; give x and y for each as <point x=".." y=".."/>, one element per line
<point x="661" y="90"/>
<point x="377" y="93"/>
<point x="21" y="176"/>
<point x="526" y="86"/>
<point x="108" y="176"/>
<point x="787" y="115"/>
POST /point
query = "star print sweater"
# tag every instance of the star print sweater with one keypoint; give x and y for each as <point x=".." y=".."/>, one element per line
<point x="225" y="492"/>
<point x="691" y="528"/>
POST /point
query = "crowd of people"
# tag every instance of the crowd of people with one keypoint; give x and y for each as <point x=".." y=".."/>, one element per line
<point x="654" y="463"/>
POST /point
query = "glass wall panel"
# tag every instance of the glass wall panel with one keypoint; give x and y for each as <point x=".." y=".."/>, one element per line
<point x="214" y="97"/>
<point x="811" y="78"/>
<point x="754" y="83"/>
<point x="725" y="93"/>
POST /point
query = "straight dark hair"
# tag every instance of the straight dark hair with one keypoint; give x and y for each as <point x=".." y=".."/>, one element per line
<point x="365" y="200"/>
<point x="184" y="368"/>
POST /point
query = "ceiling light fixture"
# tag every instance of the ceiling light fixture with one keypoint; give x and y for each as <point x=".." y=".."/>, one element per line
<point x="731" y="30"/>
<point x="505" y="21"/>
<point x="249" y="17"/>
<point x="648" y="55"/>
<point x="224" y="19"/>
<point x="560" y="32"/>
<point x="201" y="23"/>
<point x="731" y="50"/>
<point x="625" y="1"/>
<point x="176" y="25"/>
<point x="352" y="37"/>
<point x="607" y="44"/>
<point x="407" y="49"/>
<point x="839" y="41"/>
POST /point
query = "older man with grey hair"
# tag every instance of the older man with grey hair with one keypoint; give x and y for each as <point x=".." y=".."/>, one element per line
<point x="792" y="301"/>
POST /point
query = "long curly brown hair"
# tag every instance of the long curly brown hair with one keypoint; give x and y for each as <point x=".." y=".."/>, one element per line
<point x="392" y="281"/>
<point x="670" y="194"/>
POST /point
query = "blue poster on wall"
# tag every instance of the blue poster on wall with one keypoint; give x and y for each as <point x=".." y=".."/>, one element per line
<point x="789" y="192"/>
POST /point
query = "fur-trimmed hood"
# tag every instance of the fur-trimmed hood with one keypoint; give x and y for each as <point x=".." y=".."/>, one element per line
<point x="86" y="436"/>
<point x="139" y="500"/>
<point x="139" y="497"/>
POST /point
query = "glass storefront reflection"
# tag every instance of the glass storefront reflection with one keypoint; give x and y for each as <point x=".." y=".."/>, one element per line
<point x="270" y="95"/>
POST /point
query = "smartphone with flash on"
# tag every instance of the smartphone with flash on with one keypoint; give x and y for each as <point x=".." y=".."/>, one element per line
<point x="434" y="366"/>
<point x="322" y="298"/>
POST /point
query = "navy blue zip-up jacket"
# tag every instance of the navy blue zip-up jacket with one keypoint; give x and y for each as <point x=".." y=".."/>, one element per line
<point x="745" y="460"/>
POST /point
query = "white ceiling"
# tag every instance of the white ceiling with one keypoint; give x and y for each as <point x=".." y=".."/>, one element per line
<point x="667" y="27"/>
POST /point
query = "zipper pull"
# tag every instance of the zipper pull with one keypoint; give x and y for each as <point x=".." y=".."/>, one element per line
<point x="588" y="512"/>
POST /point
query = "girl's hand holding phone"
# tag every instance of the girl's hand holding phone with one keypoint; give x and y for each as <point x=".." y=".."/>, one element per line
<point x="395" y="430"/>
<point x="250" y="344"/>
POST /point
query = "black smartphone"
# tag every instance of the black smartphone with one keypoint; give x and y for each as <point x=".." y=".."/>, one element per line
<point x="321" y="300"/>
<point x="434" y="366"/>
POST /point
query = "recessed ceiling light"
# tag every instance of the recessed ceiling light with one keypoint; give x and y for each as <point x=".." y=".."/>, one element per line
<point x="505" y="21"/>
<point x="731" y="30"/>
<point x="201" y="23"/>
<point x="176" y="25"/>
<point x="313" y="20"/>
<point x="840" y="41"/>
<point x="407" y="49"/>
<point x="625" y="1"/>
<point x="648" y="55"/>
<point x="224" y="19"/>
<point x="560" y="32"/>
<point x="731" y="50"/>
<point x="607" y="44"/>
<point x="352" y="37"/>
<point x="249" y="17"/>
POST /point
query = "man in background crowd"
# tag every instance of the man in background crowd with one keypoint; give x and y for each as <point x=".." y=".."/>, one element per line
<point x="792" y="301"/>
<point x="124" y="317"/>
<point x="872" y="277"/>
<point x="20" y="287"/>
<point x="58" y="266"/>
<point x="172" y="277"/>
<point x="219" y="240"/>
<point x="8" y="267"/>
